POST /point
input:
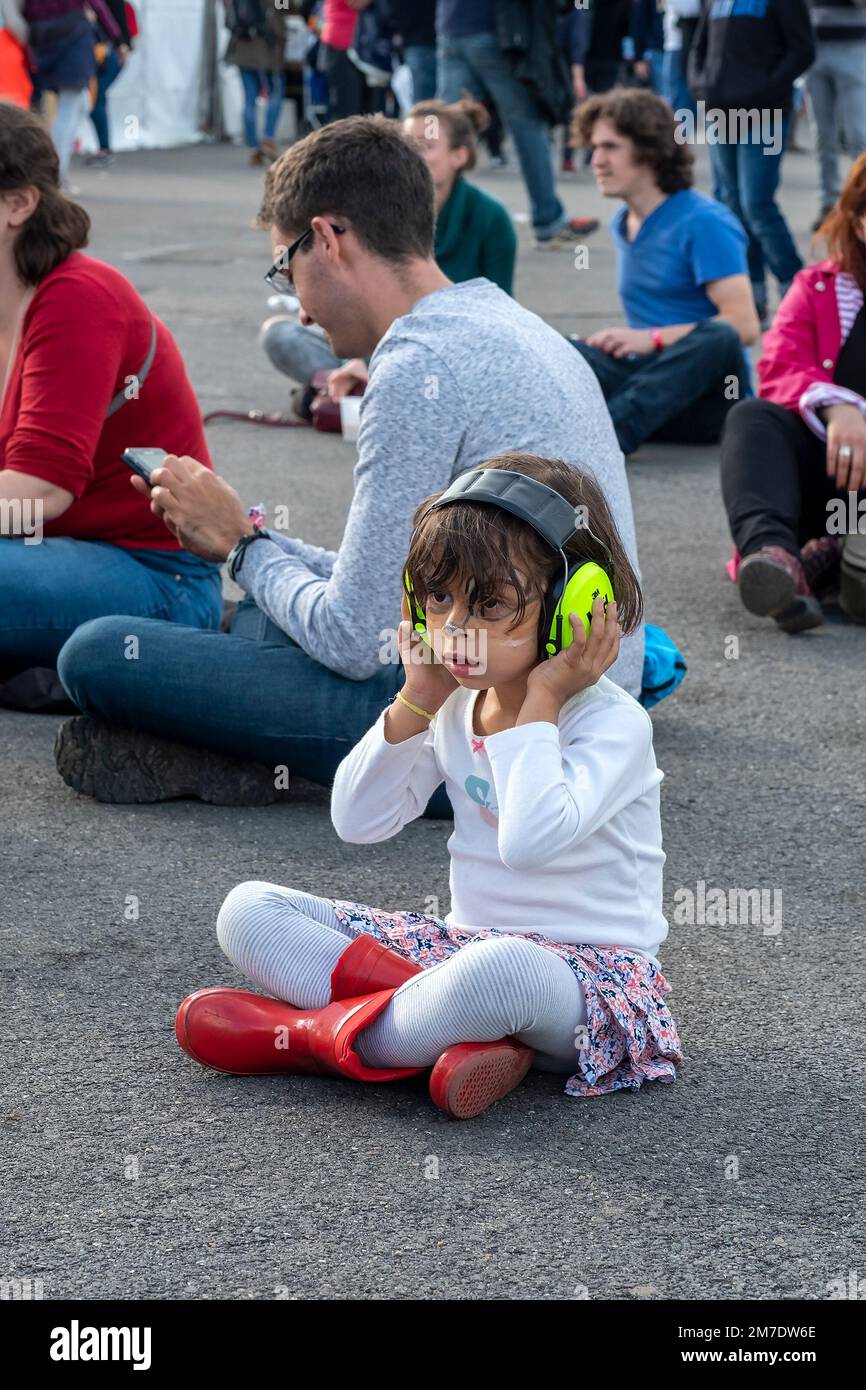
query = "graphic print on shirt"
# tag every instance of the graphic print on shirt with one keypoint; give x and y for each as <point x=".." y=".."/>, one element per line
<point x="478" y="790"/>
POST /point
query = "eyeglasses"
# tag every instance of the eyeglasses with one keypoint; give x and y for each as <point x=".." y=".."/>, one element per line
<point x="279" y="277"/>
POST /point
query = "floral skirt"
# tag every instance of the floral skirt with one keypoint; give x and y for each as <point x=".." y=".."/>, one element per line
<point x="630" y="1036"/>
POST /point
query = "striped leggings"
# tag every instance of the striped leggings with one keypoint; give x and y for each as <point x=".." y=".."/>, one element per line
<point x="289" y="942"/>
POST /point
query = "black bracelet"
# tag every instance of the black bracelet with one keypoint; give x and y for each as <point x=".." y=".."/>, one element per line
<point x="236" y="555"/>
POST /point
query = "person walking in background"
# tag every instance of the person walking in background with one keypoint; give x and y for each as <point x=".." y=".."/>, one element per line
<point x="836" y="83"/>
<point x="675" y="87"/>
<point x="256" y="47"/>
<point x="111" y="54"/>
<point x="743" y="63"/>
<point x="648" y="42"/>
<point x="610" y="21"/>
<point x="415" y="22"/>
<point x="572" y="35"/>
<point x="470" y="59"/>
<point x="60" y="39"/>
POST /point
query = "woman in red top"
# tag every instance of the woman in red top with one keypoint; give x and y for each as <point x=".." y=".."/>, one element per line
<point x="85" y="371"/>
<point x="794" y="462"/>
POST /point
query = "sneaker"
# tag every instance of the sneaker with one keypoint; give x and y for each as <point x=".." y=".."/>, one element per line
<point x="269" y="150"/>
<point x="567" y="166"/>
<point x="128" y="767"/>
<point x="101" y="160"/>
<point x="573" y="231"/>
<point x="852" y="589"/>
<point x="820" y="559"/>
<point x="773" y="584"/>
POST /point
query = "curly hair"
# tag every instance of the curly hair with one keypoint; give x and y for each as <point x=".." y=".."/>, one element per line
<point x="650" y="124"/>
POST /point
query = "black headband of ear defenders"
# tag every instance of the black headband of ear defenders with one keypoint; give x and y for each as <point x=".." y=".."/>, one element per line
<point x="546" y="511"/>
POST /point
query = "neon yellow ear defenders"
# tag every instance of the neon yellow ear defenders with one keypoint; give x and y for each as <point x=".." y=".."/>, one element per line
<point x="584" y="585"/>
<point x="554" y="518"/>
<point x="417" y="616"/>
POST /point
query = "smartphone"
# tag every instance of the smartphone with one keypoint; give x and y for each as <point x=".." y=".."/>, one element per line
<point x="144" y="461"/>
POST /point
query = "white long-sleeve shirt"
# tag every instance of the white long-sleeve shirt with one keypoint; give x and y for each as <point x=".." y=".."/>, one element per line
<point x="556" y="830"/>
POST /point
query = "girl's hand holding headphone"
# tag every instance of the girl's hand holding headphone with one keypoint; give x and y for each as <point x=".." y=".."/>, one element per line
<point x="575" y="668"/>
<point x="428" y="682"/>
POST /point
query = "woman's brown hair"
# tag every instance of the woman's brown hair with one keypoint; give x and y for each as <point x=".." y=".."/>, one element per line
<point x="842" y="228"/>
<point x="489" y="549"/>
<point x="57" y="226"/>
<point x="464" y="121"/>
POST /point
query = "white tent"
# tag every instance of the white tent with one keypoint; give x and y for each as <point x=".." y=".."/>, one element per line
<point x="174" y="89"/>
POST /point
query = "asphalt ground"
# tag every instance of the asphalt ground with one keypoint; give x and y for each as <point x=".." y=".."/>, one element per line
<point x="130" y="1172"/>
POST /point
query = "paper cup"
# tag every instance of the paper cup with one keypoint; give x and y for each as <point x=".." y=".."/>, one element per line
<point x="350" y="417"/>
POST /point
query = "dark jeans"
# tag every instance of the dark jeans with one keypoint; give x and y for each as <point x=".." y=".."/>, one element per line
<point x="774" y="478"/>
<point x="252" y="692"/>
<point x="747" y="178"/>
<point x="476" y="63"/>
<point x="107" y="72"/>
<point x="421" y="62"/>
<point x="680" y="395"/>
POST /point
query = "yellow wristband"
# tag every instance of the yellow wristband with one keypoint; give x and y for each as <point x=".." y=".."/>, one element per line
<point x="414" y="708"/>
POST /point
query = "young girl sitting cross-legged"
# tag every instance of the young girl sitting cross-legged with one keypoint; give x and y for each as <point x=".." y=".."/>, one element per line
<point x="548" y="955"/>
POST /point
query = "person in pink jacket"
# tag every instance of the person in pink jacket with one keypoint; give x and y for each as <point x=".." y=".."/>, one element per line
<point x="794" y="460"/>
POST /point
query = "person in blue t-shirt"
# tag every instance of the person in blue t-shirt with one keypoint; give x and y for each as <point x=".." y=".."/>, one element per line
<point x="679" y="366"/>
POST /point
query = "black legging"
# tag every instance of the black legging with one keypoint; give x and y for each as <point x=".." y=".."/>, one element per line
<point x="774" y="478"/>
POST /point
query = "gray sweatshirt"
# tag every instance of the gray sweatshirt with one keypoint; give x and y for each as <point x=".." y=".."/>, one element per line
<point x="467" y="374"/>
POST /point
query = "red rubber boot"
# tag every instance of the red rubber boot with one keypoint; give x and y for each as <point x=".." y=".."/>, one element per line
<point x="470" y="1077"/>
<point x="244" y="1034"/>
<point x="367" y="966"/>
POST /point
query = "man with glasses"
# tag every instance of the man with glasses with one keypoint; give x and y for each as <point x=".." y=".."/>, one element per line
<point x="458" y="373"/>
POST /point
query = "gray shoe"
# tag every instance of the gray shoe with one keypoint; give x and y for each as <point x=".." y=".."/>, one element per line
<point x="852" y="588"/>
<point x="129" y="767"/>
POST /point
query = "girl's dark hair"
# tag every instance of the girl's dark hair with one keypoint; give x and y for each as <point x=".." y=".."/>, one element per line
<point x="649" y="122"/>
<point x="841" y="227"/>
<point x="57" y="226"/>
<point x="464" y="121"/>
<point x="484" y="546"/>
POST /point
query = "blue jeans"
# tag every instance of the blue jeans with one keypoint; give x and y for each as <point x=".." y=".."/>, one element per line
<point x="677" y="395"/>
<point x="421" y="62"/>
<point x="252" y="692"/>
<point x="274" y="84"/>
<point x="49" y="588"/>
<point x="747" y="179"/>
<point x="675" y="88"/>
<point x="476" y="63"/>
<point x="106" y="73"/>
<point x="837" y="85"/>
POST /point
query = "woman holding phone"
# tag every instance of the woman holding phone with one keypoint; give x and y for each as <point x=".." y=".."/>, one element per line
<point x="85" y="371"/>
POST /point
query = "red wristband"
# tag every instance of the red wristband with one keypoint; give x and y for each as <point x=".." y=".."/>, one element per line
<point x="658" y="341"/>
